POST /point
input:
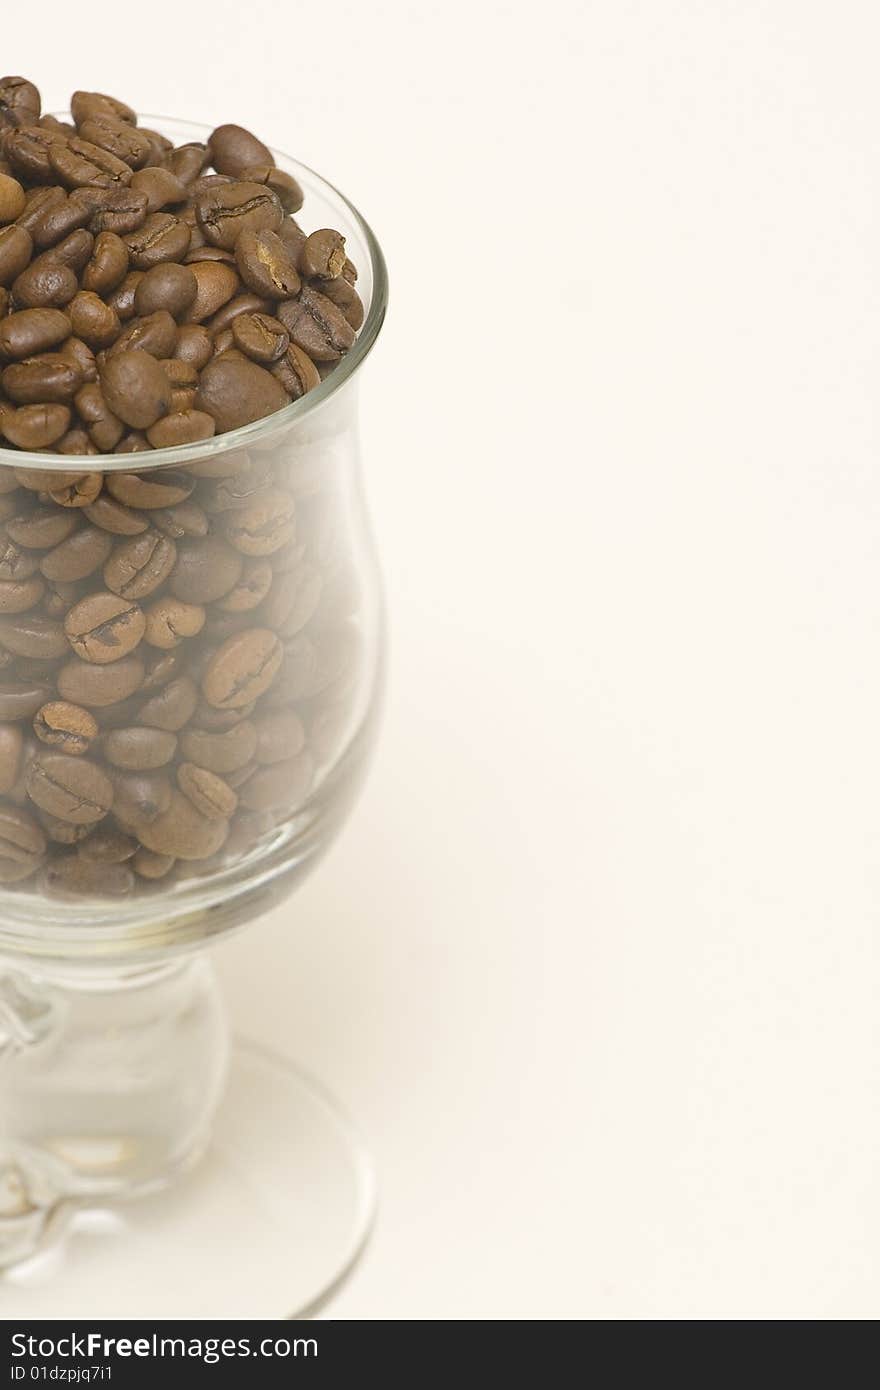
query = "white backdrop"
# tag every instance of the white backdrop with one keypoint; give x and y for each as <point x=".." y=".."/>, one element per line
<point x="594" y="963"/>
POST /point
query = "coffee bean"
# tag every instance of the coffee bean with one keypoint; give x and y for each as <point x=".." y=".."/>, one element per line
<point x="282" y="184"/>
<point x="32" y="635"/>
<point x="139" y="565"/>
<point x="18" y="595"/>
<point x="233" y="148"/>
<point x="170" y="620"/>
<point x="154" y="333"/>
<point x="264" y="525"/>
<point x="285" y="784"/>
<point x="183" y="519"/>
<point x="235" y="393"/>
<point x="209" y="794"/>
<point x="205" y="570"/>
<point x="224" y="751"/>
<point x="76" y="441"/>
<point x="185" y="426"/>
<point x="152" y="866"/>
<point x="136" y="390"/>
<point x="31" y="331"/>
<point x="316" y="325"/>
<point x="242" y="669"/>
<point x="260" y="337"/>
<point x="22" y="844"/>
<point x="80" y="163"/>
<point x="121" y="300"/>
<point x="172" y="706"/>
<point x="140" y="797"/>
<point x="161" y="187"/>
<point x="166" y="286"/>
<point x="27" y="150"/>
<point x="44" y="286"/>
<point x="15" y="563"/>
<point x="120" y="140"/>
<point x="103" y="627"/>
<point x="12" y="199"/>
<point x="20" y="97"/>
<point x="85" y="683"/>
<point x="193" y="345"/>
<point x="108" y="264"/>
<point x="183" y="831"/>
<point x="92" y="320"/>
<point x="85" y="106"/>
<point x="251" y="588"/>
<point x="49" y="378"/>
<point x="162" y="237"/>
<point x="108" y="846"/>
<point x="79" y="355"/>
<point x="35" y="426"/>
<point x="41" y="528"/>
<point x="79" y="492"/>
<point x="74" y="789"/>
<point x="323" y="254"/>
<point x="21" y="699"/>
<point x="139" y="749"/>
<point x="104" y="428"/>
<point x="296" y="372"/>
<point x="153" y="489"/>
<point x="215" y="284"/>
<point x="226" y="210"/>
<point x="74" y="875"/>
<point x="119" y="210"/>
<point x="266" y="266"/>
<point x="68" y="727"/>
<point x="62" y="832"/>
<point x="16" y="248"/>
<point x="112" y="516"/>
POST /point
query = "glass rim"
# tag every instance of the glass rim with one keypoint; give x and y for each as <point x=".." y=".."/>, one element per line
<point x="245" y="435"/>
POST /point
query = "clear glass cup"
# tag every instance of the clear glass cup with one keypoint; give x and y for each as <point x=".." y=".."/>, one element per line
<point x="113" y="1040"/>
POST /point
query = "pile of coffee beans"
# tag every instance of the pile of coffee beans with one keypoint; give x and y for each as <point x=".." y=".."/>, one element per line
<point x="178" y="646"/>
<point x="151" y="294"/>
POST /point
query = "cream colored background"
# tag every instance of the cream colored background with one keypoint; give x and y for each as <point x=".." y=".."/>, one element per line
<point x="595" y="962"/>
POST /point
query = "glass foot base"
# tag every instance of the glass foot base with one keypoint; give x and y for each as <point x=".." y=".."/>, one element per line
<point x="265" y="1226"/>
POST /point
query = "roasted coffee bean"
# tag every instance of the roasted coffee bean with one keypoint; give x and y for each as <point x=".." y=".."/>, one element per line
<point x="316" y="325"/>
<point x="266" y="266"/>
<point x="12" y="199"/>
<point x="215" y="284"/>
<point x="152" y="866"/>
<point x="161" y="187"/>
<point x="281" y="785"/>
<point x="206" y="569"/>
<point x="105" y="429"/>
<point x="68" y="727"/>
<point x="184" y="426"/>
<point x="170" y="620"/>
<point x="282" y="184"/>
<point x="242" y="669"/>
<point x="152" y="489"/>
<point x="162" y="237"/>
<point x="139" y="749"/>
<point x="16" y="248"/>
<point x="20" y="699"/>
<point x="172" y="706"/>
<point x="235" y="393"/>
<point x="296" y="372"/>
<point x="27" y="150"/>
<point x="137" y="391"/>
<point x="120" y="140"/>
<point x="18" y="595"/>
<point x="41" y="528"/>
<point x="85" y="683"/>
<point x="228" y="209"/>
<point x="35" y="426"/>
<point x="223" y="751"/>
<point x="80" y="355"/>
<point x="210" y="795"/>
<point x="323" y="254"/>
<point x="93" y="320"/>
<point x="15" y="562"/>
<point x="183" y="831"/>
<point x="107" y="265"/>
<point x="39" y="202"/>
<point x="112" y="516"/>
<point x="186" y="162"/>
<point x="62" y="832"/>
<point x="154" y="333"/>
<point x="30" y="331"/>
<point x="251" y="588"/>
<point x="85" y="106"/>
<point x="193" y="345"/>
<point x="166" y="286"/>
<point x="139" y="797"/>
<point x="47" y="379"/>
<point x="44" y="286"/>
<point x="19" y="96"/>
<point x="22" y="844"/>
<point x="120" y="210"/>
<point x="138" y="566"/>
<point x="80" y="163"/>
<point x="11" y="749"/>
<point x="32" y="635"/>
<point x="58" y="597"/>
<point x="293" y="600"/>
<point x="121" y="300"/>
<point x="183" y="519"/>
<point x="260" y="337"/>
<point x="73" y="789"/>
<point x="78" y="492"/>
<point x="232" y="148"/>
<point x="54" y="225"/>
<point x="247" y="303"/>
<point x="265" y="524"/>
<point x="75" y="875"/>
<point x="76" y="441"/>
<point x="103" y="627"/>
<point x="108" y="846"/>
